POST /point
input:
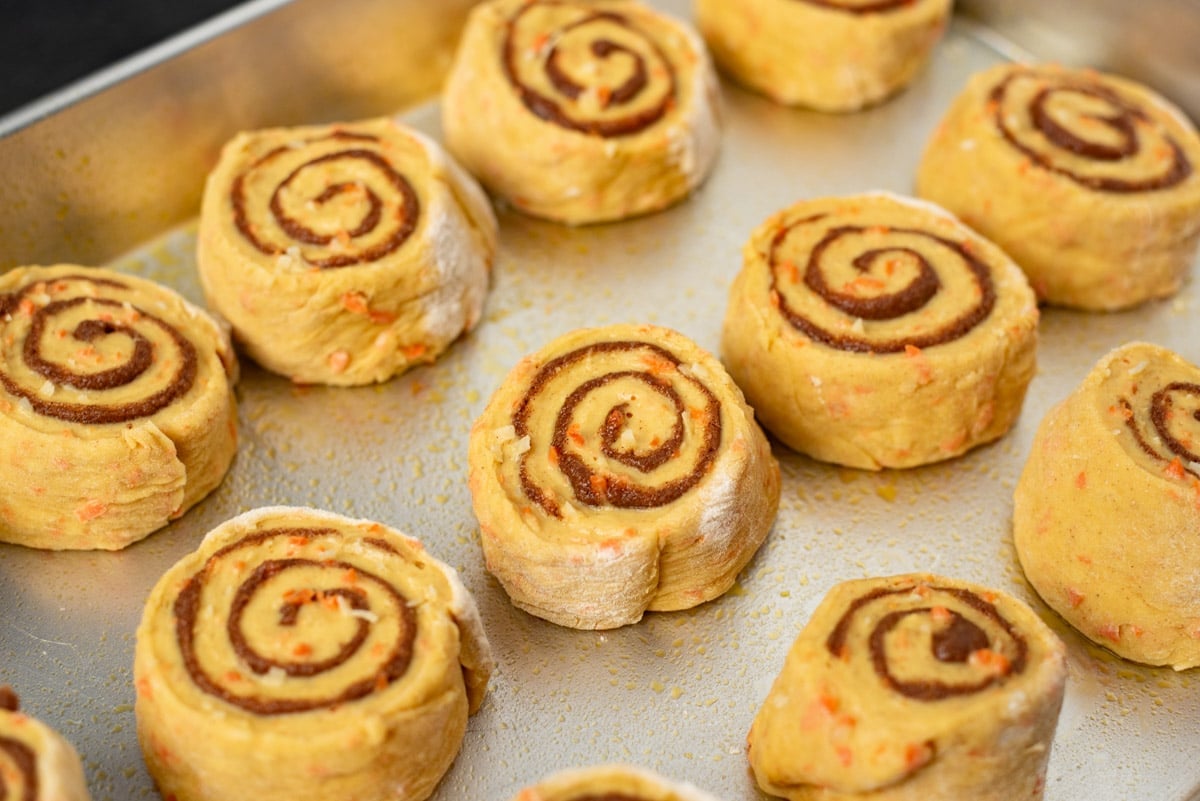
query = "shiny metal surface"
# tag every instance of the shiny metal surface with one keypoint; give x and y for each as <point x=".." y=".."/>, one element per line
<point x="89" y="172"/>
<point x="676" y="692"/>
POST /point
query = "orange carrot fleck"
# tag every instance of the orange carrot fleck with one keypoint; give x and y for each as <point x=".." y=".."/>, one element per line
<point x="1081" y="480"/>
<point x="233" y="676"/>
<point x="381" y="682"/>
<point x="1074" y="597"/>
<point x="916" y="755"/>
<point x="354" y="302"/>
<point x="828" y="702"/>
<point x="90" y="511"/>
<point x="987" y="658"/>
<point x="912" y="351"/>
<point x="1110" y="631"/>
<point x="940" y="614"/>
<point x="1175" y="468"/>
<point x="599" y="484"/>
<point x="845" y="755"/>
<point x="553" y="455"/>
<point x="574" y="433"/>
<point x="415" y="351"/>
<point x="604" y="95"/>
<point x="302" y="649"/>
<point x="793" y="272"/>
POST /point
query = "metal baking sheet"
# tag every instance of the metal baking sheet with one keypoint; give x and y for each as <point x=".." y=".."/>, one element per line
<point x="675" y="693"/>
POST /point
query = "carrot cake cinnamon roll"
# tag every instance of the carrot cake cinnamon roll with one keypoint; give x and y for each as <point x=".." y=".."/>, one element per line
<point x="1108" y="504"/>
<point x="1088" y="181"/>
<point x="321" y="657"/>
<point x="117" y="412"/>
<point x="582" y="111"/>
<point x="36" y="762"/>
<point x="610" y="783"/>
<point x="618" y="471"/>
<point x="874" y="331"/>
<point x="829" y="55"/>
<point x="912" y="687"/>
<point x="344" y="254"/>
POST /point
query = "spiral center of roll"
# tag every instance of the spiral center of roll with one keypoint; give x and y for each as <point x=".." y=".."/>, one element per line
<point x="343" y="204"/>
<point x="300" y="618"/>
<point x="1087" y="132"/>
<point x="857" y="273"/>
<point x="593" y="72"/>
<point x="638" y="435"/>
<point x="69" y="341"/>
<point x="962" y="632"/>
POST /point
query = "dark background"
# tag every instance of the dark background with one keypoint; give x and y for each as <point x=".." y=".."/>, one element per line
<point x="48" y="44"/>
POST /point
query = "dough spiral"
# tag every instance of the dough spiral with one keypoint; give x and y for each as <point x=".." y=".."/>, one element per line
<point x="116" y="406"/>
<point x="614" y="782"/>
<point x="853" y="317"/>
<point x="829" y="55"/>
<point x="912" y="686"/>
<point x="362" y="241"/>
<point x="336" y="646"/>
<point x="36" y="762"/>
<point x="1107" y="503"/>
<point x="621" y="461"/>
<point x="1088" y="181"/>
<point x="582" y="112"/>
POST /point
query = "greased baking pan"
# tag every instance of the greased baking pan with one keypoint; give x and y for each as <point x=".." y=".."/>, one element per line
<point x="676" y="692"/>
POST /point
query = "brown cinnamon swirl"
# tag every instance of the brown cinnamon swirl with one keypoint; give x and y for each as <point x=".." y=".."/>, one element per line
<point x="36" y="762"/>
<point x="1109" y="500"/>
<point x="853" y="318"/>
<point x="362" y="241"/>
<point x="581" y="110"/>
<point x="623" y="464"/>
<point x="830" y="55"/>
<point x="116" y="407"/>
<point x="913" y="686"/>
<point x="1087" y="180"/>
<point x="323" y="657"/>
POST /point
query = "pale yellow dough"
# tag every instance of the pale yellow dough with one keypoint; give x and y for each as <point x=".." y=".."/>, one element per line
<point x="580" y="159"/>
<point x="36" y="762"/>
<point x="1108" y="506"/>
<point x="617" y="471"/>
<point x="627" y="782"/>
<point x="912" y="688"/>
<point x="298" y="655"/>
<point x="829" y="55"/>
<point x="1093" y="227"/>
<point x="899" y="359"/>
<point x="117" y="412"/>
<point x="344" y="254"/>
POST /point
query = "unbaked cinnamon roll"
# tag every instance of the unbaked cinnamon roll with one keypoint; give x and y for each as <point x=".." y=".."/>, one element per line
<point x="582" y="111"/>
<point x="1108" y="503"/>
<point x="874" y="331"/>
<point x="36" y="762"/>
<point x="117" y="412"/>
<point x="618" y="471"/>
<point x="344" y="254"/>
<point x="321" y="657"/>
<point x="829" y="55"/>
<point x="610" y="783"/>
<point x="1088" y="181"/>
<point x="912" y="687"/>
